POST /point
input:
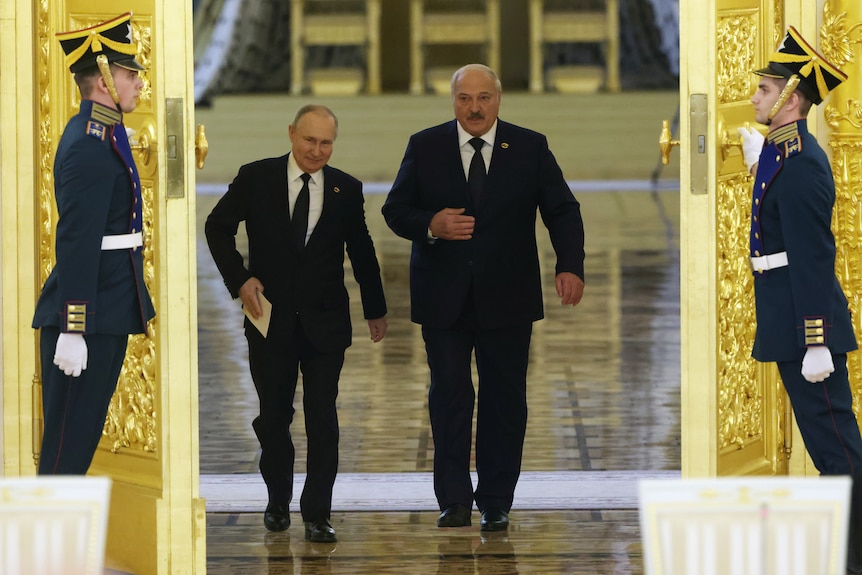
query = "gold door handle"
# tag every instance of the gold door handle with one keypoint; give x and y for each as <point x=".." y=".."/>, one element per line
<point x="144" y="143"/>
<point x="728" y="140"/>
<point x="665" y="143"/>
<point x="201" y="146"/>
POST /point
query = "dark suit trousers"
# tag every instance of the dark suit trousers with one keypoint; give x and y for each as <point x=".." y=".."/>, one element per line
<point x="275" y="369"/>
<point x="74" y="408"/>
<point x="501" y="423"/>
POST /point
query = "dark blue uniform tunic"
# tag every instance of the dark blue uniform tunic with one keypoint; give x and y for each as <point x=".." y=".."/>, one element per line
<point x="801" y="304"/>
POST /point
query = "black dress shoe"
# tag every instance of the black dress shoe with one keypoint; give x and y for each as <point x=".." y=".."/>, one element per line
<point x="276" y="517"/>
<point x="454" y="516"/>
<point x="319" y="531"/>
<point x="494" y="519"/>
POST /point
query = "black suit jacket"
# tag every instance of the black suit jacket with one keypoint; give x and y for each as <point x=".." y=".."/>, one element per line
<point x="501" y="261"/>
<point x="307" y="284"/>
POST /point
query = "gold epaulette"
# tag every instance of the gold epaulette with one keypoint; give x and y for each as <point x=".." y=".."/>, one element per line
<point x="814" y="334"/>
<point x="787" y="139"/>
<point x="105" y="115"/>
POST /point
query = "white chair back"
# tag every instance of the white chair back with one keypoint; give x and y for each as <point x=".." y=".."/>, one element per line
<point x="745" y="525"/>
<point x="53" y="525"/>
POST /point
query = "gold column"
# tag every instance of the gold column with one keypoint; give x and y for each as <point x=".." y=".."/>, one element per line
<point x="840" y="39"/>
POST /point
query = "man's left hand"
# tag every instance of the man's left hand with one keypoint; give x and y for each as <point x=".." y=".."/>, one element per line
<point x="377" y="327"/>
<point x="817" y="363"/>
<point x="570" y="288"/>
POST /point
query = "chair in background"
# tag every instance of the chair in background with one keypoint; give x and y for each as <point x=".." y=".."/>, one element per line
<point x="745" y="525"/>
<point x="335" y="23"/>
<point x="575" y="21"/>
<point x="450" y="22"/>
<point x="53" y="525"/>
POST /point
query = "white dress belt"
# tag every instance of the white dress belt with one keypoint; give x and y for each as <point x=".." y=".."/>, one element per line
<point x="769" y="262"/>
<point x="123" y="241"/>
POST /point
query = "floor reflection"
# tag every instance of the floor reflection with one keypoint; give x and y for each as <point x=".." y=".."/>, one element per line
<point x="603" y="387"/>
<point x="558" y="542"/>
<point x="603" y="380"/>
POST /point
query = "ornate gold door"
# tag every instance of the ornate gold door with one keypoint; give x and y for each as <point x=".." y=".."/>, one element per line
<point x="735" y="417"/>
<point x="157" y="519"/>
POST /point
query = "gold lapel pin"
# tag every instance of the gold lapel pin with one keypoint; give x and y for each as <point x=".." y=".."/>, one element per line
<point x="504" y="145"/>
<point x="336" y="189"/>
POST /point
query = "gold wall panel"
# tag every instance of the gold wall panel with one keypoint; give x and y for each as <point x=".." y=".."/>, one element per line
<point x="840" y="40"/>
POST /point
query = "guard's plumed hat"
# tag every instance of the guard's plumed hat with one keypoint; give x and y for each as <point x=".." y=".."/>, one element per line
<point x="794" y="56"/>
<point x="112" y="38"/>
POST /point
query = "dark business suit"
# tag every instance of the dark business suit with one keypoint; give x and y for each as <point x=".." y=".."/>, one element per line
<point x="482" y="294"/>
<point x="97" y="292"/>
<point x="310" y="324"/>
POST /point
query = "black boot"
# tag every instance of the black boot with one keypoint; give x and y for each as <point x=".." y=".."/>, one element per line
<point x="854" y="539"/>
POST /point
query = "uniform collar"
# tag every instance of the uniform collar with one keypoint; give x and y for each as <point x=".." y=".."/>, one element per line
<point x="103" y="114"/>
<point x="788" y="132"/>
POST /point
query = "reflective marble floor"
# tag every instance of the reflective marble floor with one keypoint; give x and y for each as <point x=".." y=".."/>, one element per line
<point x="603" y="389"/>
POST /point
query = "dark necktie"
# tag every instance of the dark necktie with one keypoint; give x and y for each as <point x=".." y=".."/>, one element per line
<point x="476" y="175"/>
<point x="299" y="222"/>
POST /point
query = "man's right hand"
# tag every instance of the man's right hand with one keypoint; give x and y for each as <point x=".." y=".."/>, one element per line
<point x="451" y="224"/>
<point x="70" y="353"/>
<point x="248" y="294"/>
<point x="752" y="145"/>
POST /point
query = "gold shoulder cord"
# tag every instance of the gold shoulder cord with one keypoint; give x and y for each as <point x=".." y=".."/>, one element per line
<point x="105" y="68"/>
<point x="792" y="82"/>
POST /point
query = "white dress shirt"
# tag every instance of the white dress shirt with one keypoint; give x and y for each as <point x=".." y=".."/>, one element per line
<point x="315" y="193"/>
<point x="467" y="149"/>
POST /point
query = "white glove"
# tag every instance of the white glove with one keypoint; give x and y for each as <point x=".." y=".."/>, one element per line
<point x="817" y="363"/>
<point x="752" y="144"/>
<point x="70" y="355"/>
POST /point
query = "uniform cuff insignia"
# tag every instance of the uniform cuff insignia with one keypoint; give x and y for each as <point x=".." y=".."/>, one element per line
<point x="76" y="318"/>
<point x="815" y="331"/>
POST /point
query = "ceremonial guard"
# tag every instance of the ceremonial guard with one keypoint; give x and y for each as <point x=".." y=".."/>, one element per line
<point x="95" y="296"/>
<point x="803" y="321"/>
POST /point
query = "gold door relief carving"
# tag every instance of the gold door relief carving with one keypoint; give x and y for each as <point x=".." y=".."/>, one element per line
<point x="735" y="45"/>
<point x="740" y="400"/>
<point x="840" y="38"/>
<point x="132" y="417"/>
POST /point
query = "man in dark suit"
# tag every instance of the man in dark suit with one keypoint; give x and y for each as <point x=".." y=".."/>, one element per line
<point x="95" y="296"/>
<point x="299" y="214"/>
<point x="466" y="196"/>
<point x="803" y="321"/>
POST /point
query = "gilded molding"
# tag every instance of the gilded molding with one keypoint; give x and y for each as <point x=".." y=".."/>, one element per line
<point x="735" y="44"/>
<point x="132" y="415"/>
<point x="852" y="114"/>
<point x="741" y="400"/>
<point x="778" y="28"/>
<point x="846" y="225"/>
<point x="45" y="198"/>
<point x="840" y="41"/>
<point x="836" y="38"/>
